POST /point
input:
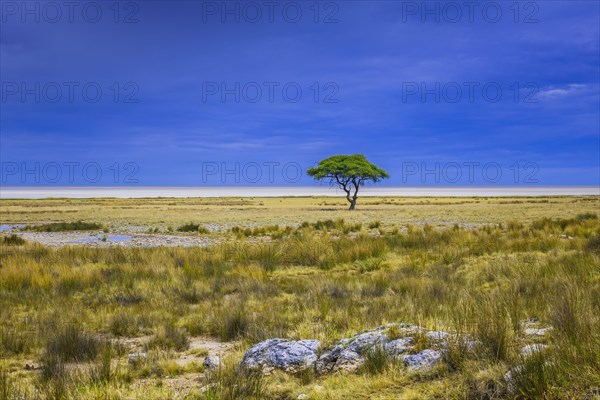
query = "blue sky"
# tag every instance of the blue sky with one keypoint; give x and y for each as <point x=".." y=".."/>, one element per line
<point x="444" y="95"/>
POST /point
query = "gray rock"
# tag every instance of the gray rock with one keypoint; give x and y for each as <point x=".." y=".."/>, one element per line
<point x="326" y="362"/>
<point x="302" y="396"/>
<point x="257" y="356"/>
<point x="531" y="349"/>
<point x="287" y="355"/>
<point x="438" y="336"/>
<point x="206" y="388"/>
<point x="366" y="341"/>
<point x="536" y="331"/>
<point x="469" y="344"/>
<point x="509" y="377"/>
<point x="410" y="329"/>
<point x="398" y="346"/>
<point x="211" y="362"/>
<point x="348" y="361"/>
<point x="294" y="356"/>
<point x="135" y="358"/>
<point x="424" y="359"/>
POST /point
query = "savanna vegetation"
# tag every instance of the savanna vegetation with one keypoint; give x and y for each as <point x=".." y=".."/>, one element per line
<point x="70" y="317"/>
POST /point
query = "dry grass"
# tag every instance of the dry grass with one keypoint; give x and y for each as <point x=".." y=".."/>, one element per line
<point x="294" y="210"/>
<point x="65" y="308"/>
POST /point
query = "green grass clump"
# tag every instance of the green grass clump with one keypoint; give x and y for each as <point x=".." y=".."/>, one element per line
<point x="593" y="244"/>
<point x="170" y="337"/>
<point x="65" y="227"/>
<point x="124" y="324"/>
<point x="13" y="240"/>
<point x="274" y="231"/>
<point x="332" y="225"/>
<point x="376" y="361"/>
<point x="15" y="340"/>
<point x="192" y="227"/>
<point x="70" y="343"/>
<point x="374" y="225"/>
<point x="233" y="382"/>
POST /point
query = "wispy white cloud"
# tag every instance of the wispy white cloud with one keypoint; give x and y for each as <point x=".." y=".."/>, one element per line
<point x="553" y="92"/>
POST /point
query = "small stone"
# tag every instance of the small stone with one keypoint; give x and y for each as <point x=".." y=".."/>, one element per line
<point x="31" y="366"/>
<point x="509" y="377"/>
<point x="302" y="396"/>
<point x="135" y="358"/>
<point x="211" y="362"/>
<point x="531" y="349"/>
<point x="536" y="331"/>
<point x="208" y="387"/>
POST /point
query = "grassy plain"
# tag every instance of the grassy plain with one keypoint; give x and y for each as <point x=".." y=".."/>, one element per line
<point x="70" y="316"/>
<point x="162" y="212"/>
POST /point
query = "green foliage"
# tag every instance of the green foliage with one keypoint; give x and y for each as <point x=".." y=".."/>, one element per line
<point x="348" y="167"/>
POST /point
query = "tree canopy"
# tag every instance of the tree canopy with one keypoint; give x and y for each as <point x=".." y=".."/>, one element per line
<point x="349" y="172"/>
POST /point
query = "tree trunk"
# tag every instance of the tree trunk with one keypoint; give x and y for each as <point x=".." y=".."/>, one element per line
<point x="353" y="200"/>
<point x="347" y="187"/>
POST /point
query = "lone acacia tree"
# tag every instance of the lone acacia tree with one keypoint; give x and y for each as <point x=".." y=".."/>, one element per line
<point x="349" y="172"/>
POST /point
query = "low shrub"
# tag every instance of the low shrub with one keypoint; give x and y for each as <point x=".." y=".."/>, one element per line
<point x="65" y="227"/>
<point x="191" y="227"/>
<point x="13" y="240"/>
